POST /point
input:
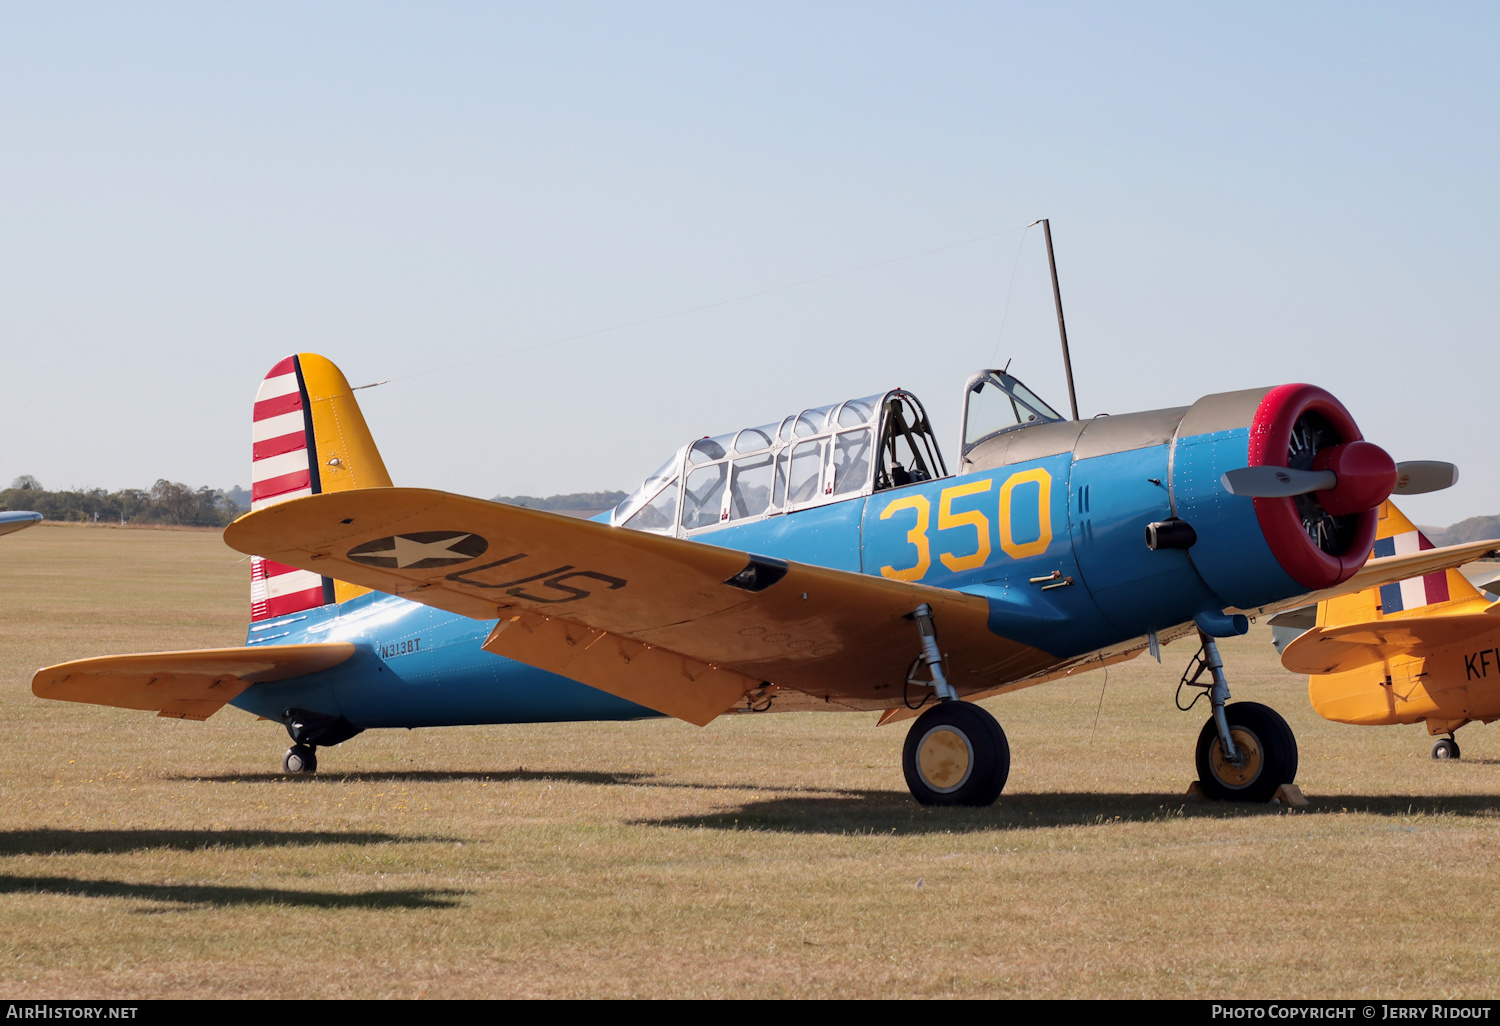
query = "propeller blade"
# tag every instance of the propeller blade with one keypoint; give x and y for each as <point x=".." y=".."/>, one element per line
<point x="1276" y="482"/>
<point x="1417" y="476"/>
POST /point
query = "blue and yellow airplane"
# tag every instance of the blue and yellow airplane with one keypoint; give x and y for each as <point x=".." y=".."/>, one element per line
<point x="828" y="560"/>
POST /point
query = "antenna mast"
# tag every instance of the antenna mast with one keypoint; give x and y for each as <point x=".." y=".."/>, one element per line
<point x="1062" y="328"/>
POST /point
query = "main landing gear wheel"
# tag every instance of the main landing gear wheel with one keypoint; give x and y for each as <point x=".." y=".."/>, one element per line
<point x="1446" y="748"/>
<point x="1265" y="741"/>
<point x="955" y="754"/>
<point x="300" y="759"/>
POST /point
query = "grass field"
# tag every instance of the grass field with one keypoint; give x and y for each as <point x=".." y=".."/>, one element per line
<point x="775" y="856"/>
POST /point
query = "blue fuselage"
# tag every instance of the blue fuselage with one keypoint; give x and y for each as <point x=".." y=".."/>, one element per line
<point x="1004" y="533"/>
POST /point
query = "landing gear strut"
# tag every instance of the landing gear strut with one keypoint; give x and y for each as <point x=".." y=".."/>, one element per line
<point x="308" y="730"/>
<point x="956" y="753"/>
<point x="1245" y="751"/>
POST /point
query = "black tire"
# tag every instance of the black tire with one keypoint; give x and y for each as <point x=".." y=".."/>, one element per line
<point x="956" y="754"/>
<point x="300" y="759"/>
<point x="1270" y="744"/>
<point x="1446" y="748"/>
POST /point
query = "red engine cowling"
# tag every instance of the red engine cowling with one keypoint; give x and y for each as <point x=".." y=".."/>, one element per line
<point x="1319" y="538"/>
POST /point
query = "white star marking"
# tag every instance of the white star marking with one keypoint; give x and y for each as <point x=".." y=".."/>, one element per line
<point x="408" y="551"/>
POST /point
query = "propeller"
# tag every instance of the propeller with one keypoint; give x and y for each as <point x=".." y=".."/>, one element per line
<point x="1362" y="468"/>
<point x="1417" y="476"/>
<point x="1329" y="487"/>
<point x="1276" y="482"/>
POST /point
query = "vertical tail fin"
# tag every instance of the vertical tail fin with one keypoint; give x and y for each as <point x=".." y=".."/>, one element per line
<point x="1396" y="536"/>
<point x="308" y="436"/>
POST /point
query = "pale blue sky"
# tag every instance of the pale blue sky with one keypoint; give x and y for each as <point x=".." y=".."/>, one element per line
<point x="1239" y="196"/>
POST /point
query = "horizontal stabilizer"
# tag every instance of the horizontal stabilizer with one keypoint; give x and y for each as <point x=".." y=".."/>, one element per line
<point x="182" y="685"/>
<point x="1324" y="650"/>
<point x="718" y="620"/>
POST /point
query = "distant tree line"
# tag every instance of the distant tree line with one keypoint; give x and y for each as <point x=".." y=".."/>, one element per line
<point x="170" y="502"/>
<point x="573" y="500"/>
<point x="167" y="502"/>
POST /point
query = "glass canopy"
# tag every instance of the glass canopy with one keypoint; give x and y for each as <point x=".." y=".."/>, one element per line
<point x="825" y="454"/>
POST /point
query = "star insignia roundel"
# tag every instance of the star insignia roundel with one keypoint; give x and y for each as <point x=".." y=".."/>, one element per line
<point x="424" y="550"/>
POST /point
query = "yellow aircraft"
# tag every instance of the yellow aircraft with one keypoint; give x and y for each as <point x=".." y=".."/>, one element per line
<point x="1422" y="650"/>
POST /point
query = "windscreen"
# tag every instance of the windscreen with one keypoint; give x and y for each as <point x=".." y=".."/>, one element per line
<point x="997" y="402"/>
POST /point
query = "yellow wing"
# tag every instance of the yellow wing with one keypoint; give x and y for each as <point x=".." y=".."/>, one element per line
<point x="1336" y="649"/>
<point x="1388" y="570"/>
<point x="681" y="627"/>
<point x="182" y="685"/>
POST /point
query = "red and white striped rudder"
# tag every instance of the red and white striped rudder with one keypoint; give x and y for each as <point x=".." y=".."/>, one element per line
<point x="285" y="466"/>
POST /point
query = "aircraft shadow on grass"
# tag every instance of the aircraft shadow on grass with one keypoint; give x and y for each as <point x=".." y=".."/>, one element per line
<point x="424" y="777"/>
<point x="521" y="775"/>
<point x="120" y="842"/>
<point x="893" y="812"/>
<point x="219" y="896"/>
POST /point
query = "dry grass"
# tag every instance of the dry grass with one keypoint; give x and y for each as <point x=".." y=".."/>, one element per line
<point x="759" y="857"/>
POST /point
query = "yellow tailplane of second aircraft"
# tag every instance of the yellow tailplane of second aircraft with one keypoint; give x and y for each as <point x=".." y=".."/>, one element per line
<point x="1423" y="650"/>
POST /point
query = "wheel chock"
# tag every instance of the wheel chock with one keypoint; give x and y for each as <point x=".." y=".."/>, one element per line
<point x="1290" y="794"/>
<point x="1286" y="794"/>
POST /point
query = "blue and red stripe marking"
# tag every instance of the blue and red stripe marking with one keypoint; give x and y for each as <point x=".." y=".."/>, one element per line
<point x="1416" y="591"/>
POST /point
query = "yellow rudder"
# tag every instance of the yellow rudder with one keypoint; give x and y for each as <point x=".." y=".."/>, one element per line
<point x="347" y="456"/>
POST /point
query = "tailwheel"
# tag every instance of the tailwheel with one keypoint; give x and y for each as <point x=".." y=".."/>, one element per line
<point x="956" y="754"/>
<point x="1445" y="748"/>
<point x="1267" y="751"/>
<point x="300" y="759"/>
